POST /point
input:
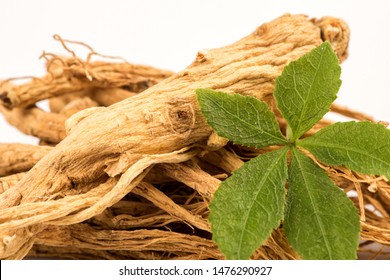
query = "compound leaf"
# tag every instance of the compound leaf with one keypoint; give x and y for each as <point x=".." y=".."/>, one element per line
<point x="244" y="120"/>
<point x="320" y="222"/>
<point x="361" y="146"/>
<point x="307" y="88"/>
<point x="249" y="204"/>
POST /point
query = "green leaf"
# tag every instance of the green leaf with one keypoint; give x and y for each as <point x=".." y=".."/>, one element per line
<point x="249" y="204"/>
<point x="360" y="146"/>
<point x="320" y="221"/>
<point x="244" y="120"/>
<point x="307" y="88"/>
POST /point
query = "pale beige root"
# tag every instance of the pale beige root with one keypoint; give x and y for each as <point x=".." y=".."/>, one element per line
<point x="85" y="236"/>
<point x="376" y="198"/>
<point x="57" y="103"/>
<point x="73" y="209"/>
<point x="335" y="31"/>
<point x="193" y="176"/>
<point x="377" y="230"/>
<point x="103" y="74"/>
<point x="22" y="251"/>
<point x="156" y="177"/>
<point x="383" y="192"/>
<point x="37" y="89"/>
<point x="155" y="209"/>
<point x="224" y="159"/>
<point x="44" y="212"/>
<point x="36" y="122"/>
<point x="77" y="105"/>
<point x="276" y="248"/>
<point x="162" y="201"/>
<point x="156" y="219"/>
<point x="109" y="96"/>
<point x="73" y="75"/>
<point x="132" y="213"/>
<point x="16" y="243"/>
<point x="17" y="158"/>
<point x="102" y="96"/>
<point x="127" y="182"/>
<point x="216" y="142"/>
<point x="161" y="119"/>
<point x="9" y="181"/>
<point x="173" y="245"/>
<point x="342" y="110"/>
<point x="77" y="208"/>
<point x="73" y="253"/>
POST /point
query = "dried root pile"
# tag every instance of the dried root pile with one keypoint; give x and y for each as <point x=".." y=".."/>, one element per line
<point x="127" y="166"/>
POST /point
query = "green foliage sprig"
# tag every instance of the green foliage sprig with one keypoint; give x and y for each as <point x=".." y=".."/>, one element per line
<point x="319" y="220"/>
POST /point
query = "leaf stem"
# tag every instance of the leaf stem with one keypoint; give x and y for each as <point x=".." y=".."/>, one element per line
<point x="289" y="135"/>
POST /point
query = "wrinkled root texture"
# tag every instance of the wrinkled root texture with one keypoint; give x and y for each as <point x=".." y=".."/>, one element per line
<point x="134" y="180"/>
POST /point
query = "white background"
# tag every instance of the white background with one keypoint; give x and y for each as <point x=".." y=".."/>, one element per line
<point x="167" y="34"/>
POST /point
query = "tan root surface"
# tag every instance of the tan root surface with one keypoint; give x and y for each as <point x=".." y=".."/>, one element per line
<point x="127" y="166"/>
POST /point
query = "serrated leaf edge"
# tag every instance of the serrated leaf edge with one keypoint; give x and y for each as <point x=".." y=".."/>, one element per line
<point x="308" y="191"/>
<point x="305" y="143"/>
<point x="279" y="139"/>
<point x="282" y="155"/>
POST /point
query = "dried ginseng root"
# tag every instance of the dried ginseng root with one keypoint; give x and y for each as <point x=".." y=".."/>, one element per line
<point x="71" y="85"/>
<point x="16" y="158"/>
<point x="72" y="75"/>
<point x="134" y="180"/>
